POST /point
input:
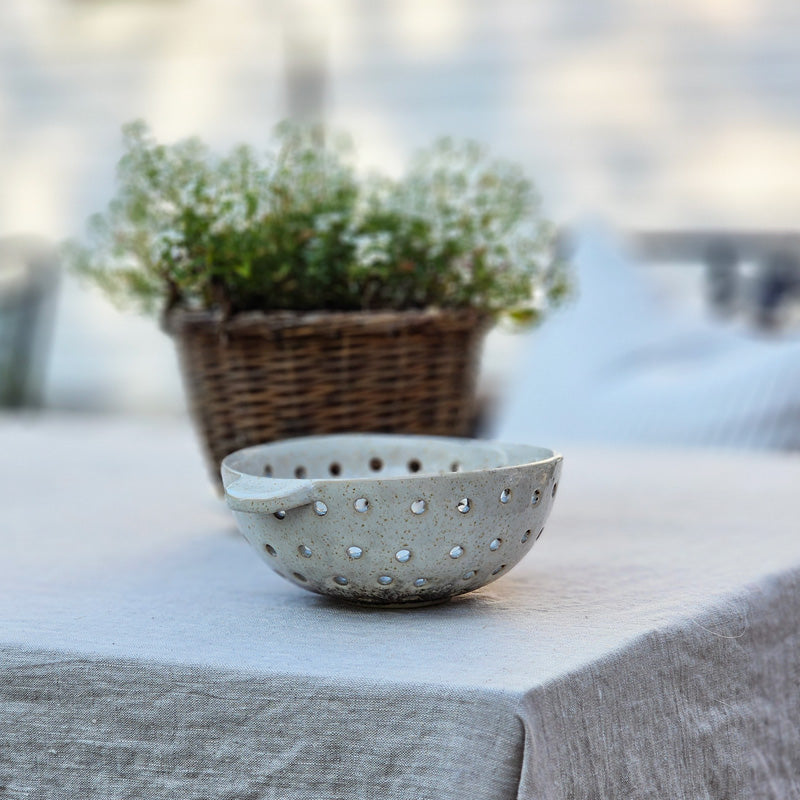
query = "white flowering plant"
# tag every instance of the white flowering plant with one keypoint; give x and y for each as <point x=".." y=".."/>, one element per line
<point x="297" y="228"/>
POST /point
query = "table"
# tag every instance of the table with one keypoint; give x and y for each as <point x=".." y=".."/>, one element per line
<point x="647" y="648"/>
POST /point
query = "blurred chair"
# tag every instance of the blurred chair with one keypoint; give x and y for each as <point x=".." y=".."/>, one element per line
<point x="618" y="366"/>
<point x="769" y="301"/>
<point x="28" y="283"/>
<point x="722" y="277"/>
<point x="777" y="288"/>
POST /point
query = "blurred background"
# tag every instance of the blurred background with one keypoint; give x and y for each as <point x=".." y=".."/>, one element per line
<point x="664" y="138"/>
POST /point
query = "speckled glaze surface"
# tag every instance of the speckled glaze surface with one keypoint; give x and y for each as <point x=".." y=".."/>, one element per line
<point x="390" y="520"/>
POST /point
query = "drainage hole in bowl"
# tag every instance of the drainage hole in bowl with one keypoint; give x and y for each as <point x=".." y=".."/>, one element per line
<point x="280" y="514"/>
<point x="341" y="580"/>
<point x="385" y="580"/>
<point x="270" y="549"/>
<point x="361" y="505"/>
<point x="300" y="472"/>
<point x="403" y="555"/>
<point x="495" y="544"/>
<point x="537" y="496"/>
<point x="420" y="581"/>
<point x="539" y="534"/>
<point x="320" y="509"/>
<point x="457" y="551"/>
<point x="499" y="569"/>
<point x="455" y="467"/>
<point x="300" y="577"/>
<point x="525" y="536"/>
<point x="468" y="575"/>
<point x="555" y="488"/>
<point x="415" y="465"/>
<point x="463" y="505"/>
<point x="268" y="470"/>
<point x="505" y="495"/>
<point x="355" y="552"/>
<point x="418" y="507"/>
<point x="335" y="468"/>
<point x="304" y="551"/>
<point x="375" y="464"/>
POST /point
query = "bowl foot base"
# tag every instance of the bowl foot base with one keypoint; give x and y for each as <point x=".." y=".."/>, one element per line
<point x="413" y="604"/>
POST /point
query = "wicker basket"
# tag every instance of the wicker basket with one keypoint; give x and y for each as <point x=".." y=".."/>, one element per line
<point x="258" y="377"/>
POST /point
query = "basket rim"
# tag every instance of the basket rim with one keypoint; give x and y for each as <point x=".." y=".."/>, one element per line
<point x="186" y="321"/>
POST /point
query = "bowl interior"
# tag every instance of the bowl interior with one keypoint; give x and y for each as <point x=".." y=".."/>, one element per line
<point x="375" y="455"/>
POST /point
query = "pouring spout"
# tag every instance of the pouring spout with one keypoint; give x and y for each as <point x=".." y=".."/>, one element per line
<point x="253" y="494"/>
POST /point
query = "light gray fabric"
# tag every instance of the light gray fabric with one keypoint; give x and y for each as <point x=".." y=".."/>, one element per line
<point x="77" y="727"/>
<point x="646" y="648"/>
<point x="708" y="709"/>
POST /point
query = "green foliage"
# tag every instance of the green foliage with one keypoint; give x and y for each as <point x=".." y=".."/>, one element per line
<point x="296" y="228"/>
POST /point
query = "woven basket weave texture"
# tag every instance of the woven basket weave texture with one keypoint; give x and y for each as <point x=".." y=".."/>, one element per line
<point x="259" y="377"/>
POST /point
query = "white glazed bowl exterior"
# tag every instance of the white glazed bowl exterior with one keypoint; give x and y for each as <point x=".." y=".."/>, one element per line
<point x="413" y="542"/>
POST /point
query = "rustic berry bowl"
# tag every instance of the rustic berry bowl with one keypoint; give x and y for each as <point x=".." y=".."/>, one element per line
<point x="391" y="520"/>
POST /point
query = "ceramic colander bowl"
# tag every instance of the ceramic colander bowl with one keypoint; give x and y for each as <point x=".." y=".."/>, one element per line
<point x="389" y="519"/>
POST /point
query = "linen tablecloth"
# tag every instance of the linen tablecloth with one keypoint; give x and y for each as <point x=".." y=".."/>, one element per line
<point x="647" y="648"/>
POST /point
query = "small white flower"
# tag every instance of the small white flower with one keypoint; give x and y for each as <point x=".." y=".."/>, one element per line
<point x="326" y="222"/>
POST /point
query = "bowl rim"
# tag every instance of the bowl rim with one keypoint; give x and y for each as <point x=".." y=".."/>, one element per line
<point x="541" y="456"/>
